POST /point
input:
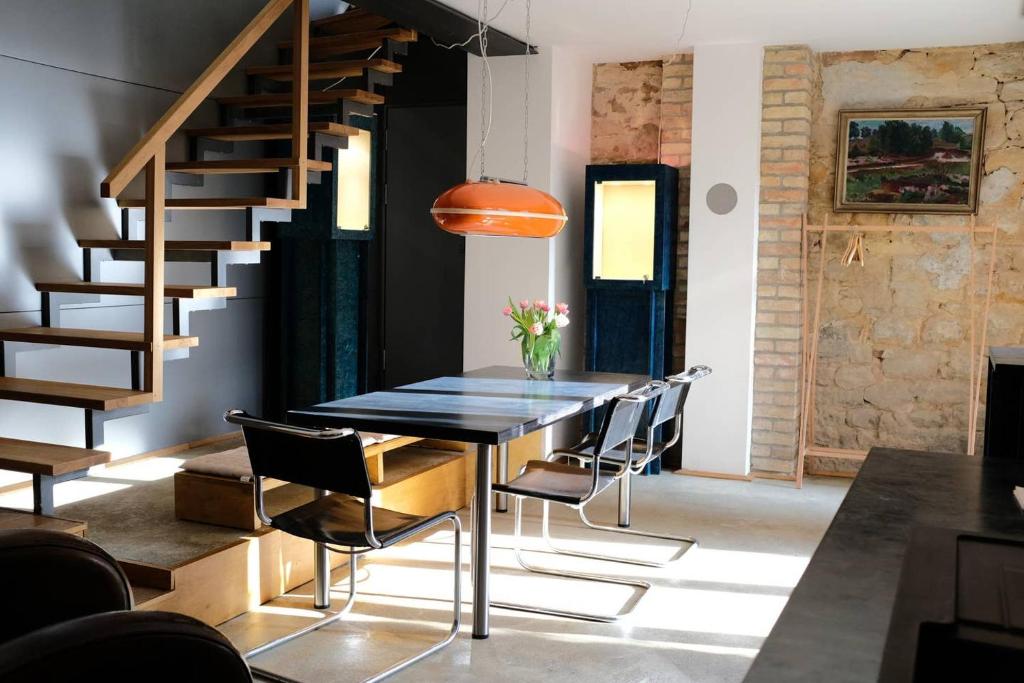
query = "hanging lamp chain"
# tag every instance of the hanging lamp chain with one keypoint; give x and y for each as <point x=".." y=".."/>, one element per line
<point x="526" y="100"/>
<point x="485" y="85"/>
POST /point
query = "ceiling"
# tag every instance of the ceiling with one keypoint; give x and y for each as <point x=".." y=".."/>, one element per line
<point x="645" y="29"/>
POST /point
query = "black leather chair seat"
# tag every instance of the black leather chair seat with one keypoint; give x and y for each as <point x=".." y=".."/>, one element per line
<point x="554" y="481"/>
<point x="340" y="520"/>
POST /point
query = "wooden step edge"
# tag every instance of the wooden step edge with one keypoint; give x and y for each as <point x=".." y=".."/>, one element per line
<point x="135" y="289"/>
<point x="178" y="245"/>
<point x="354" y="19"/>
<point x="11" y="518"/>
<point x="148" y="575"/>
<point x="215" y="203"/>
<point x="88" y="396"/>
<point x="275" y="131"/>
<point x="317" y="70"/>
<point x="230" y="166"/>
<point x="315" y="97"/>
<point x="397" y="34"/>
<point x="38" y="457"/>
<point x="97" y="339"/>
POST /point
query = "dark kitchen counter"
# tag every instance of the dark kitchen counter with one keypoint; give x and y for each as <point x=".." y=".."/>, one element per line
<point x="835" y="624"/>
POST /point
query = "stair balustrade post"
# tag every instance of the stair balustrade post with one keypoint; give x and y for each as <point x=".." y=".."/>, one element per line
<point x="300" y="99"/>
<point x="153" y="330"/>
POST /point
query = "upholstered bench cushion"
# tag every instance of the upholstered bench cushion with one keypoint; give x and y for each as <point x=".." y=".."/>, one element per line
<point x="234" y="464"/>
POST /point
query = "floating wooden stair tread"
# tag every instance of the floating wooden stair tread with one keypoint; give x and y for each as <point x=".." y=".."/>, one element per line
<point x="72" y="395"/>
<point x="131" y="289"/>
<point x="97" y="339"/>
<point x="178" y="245"/>
<point x="226" y="166"/>
<point x="354" y="42"/>
<point x="325" y="70"/>
<point x="274" y="131"/>
<point x="315" y="97"/>
<point x="20" y="519"/>
<point x="352" y="21"/>
<point x="35" y="457"/>
<point x="213" y="203"/>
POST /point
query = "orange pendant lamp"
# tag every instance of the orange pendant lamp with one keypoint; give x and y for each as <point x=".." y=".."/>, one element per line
<point x="491" y="206"/>
<point x="498" y="207"/>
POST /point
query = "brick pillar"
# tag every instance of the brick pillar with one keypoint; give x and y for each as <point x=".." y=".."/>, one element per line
<point x="676" y="110"/>
<point x="789" y="85"/>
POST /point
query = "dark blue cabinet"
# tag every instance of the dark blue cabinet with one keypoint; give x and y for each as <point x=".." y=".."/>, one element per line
<point x="629" y="268"/>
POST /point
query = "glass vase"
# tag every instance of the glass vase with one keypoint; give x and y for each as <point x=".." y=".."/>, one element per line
<point x="539" y="363"/>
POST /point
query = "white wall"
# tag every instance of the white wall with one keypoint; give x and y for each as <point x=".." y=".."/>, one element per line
<point x="84" y="80"/>
<point x="559" y="149"/>
<point x="721" y="286"/>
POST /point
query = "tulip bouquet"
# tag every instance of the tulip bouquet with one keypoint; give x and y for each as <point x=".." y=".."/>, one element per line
<point x="536" y="328"/>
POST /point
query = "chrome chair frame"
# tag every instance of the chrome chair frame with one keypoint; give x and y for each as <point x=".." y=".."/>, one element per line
<point x="322" y="566"/>
<point x="641" y="396"/>
<point x="625" y="489"/>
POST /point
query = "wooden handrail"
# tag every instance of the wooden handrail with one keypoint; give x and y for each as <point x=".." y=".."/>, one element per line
<point x="189" y="101"/>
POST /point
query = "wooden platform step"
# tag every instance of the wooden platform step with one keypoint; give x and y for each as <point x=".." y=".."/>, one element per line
<point x="178" y="245"/>
<point x="34" y="457"/>
<point x="96" y="339"/>
<point x="73" y="395"/>
<point x="132" y="289"/>
<point x="274" y="131"/>
<point x="354" y="42"/>
<point x="20" y="519"/>
<point x="319" y="71"/>
<point x="229" y="166"/>
<point x="315" y="97"/>
<point x="352" y="21"/>
<point x="214" y="203"/>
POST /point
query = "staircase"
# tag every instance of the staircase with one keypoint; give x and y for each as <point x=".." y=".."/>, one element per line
<point x="299" y="112"/>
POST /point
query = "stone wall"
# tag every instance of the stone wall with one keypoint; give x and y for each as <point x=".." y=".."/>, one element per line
<point x="626" y="120"/>
<point x="641" y="114"/>
<point x="893" y="360"/>
<point x="790" y="82"/>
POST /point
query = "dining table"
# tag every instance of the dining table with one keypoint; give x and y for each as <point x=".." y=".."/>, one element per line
<point x="488" y="407"/>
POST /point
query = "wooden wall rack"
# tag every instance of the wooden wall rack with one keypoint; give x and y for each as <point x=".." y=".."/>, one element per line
<point x="812" y="327"/>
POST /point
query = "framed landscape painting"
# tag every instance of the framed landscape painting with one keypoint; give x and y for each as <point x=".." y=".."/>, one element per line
<point x="909" y="160"/>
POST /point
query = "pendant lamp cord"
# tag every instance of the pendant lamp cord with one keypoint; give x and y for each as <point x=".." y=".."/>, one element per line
<point x="486" y="92"/>
<point x="526" y="100"/>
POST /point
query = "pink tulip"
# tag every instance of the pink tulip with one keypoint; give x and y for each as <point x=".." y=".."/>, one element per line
<point x="537" y="328"/>
<point x="539" y="304"/>
<point x="524" y="304"/>
<point x="544" y="307"/>
<point x="507" y="311"/>
<point x="562" y="308"/>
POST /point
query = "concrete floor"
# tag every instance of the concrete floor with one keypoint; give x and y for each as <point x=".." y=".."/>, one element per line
<point x="703" y="619"/>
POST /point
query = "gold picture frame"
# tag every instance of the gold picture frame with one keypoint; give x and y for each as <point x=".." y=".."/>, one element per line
<point x="909" y="160"/>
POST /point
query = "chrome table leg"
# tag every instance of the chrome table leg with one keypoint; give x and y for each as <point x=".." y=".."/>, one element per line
<point x="501" y="499"/>
<point x="482" y="543"/>
<point x="624" y="491"/>
<point x="322" y="570"/>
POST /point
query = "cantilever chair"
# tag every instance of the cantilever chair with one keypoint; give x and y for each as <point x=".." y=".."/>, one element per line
<point x="554" y="482"/>
<point x="331" y="461"/>
<point x="643" y="452"/>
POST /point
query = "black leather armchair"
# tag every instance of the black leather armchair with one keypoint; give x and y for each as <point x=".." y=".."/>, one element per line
<point x="68" y="618"/>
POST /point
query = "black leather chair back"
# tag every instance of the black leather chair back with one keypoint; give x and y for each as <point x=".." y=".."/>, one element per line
<point x="670" y="403"/>
<point x="120" y="647"/>
<point x="305" y="456"/>
<point x="621" y="420"/>
<point x="52" y="576"/>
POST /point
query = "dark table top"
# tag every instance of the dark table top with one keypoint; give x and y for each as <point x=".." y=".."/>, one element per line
<point x="835" y="624"/>
<point x="489" y="406"/>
